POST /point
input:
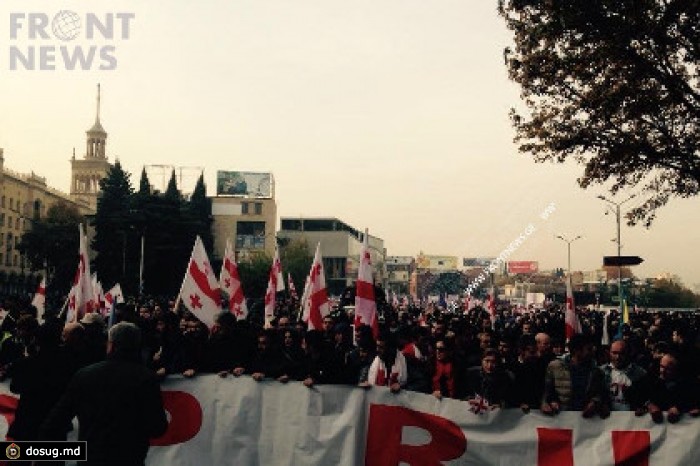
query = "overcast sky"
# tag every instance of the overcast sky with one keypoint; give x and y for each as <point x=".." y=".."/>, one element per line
<point x="388" y="114"/>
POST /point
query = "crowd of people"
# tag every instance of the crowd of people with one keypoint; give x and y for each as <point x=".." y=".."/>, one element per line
<point x="515" y="360"/>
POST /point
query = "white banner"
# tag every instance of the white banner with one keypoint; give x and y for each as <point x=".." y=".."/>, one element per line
<point x="241" y="422"/>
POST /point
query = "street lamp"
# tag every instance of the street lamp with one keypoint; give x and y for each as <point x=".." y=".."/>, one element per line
<point x="568" y="244"/>
<point x="619" y="244"/>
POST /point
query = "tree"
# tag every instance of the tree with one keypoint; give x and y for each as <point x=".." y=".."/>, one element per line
<point x="254" y="273"/>
<point x="199" y="211"/>
<point x="53" y="243"/>
<point x="614" y="85"/>
<point x="448" y="283"/>
<point x="112" y="221"/>
<point x="296" y="260"/>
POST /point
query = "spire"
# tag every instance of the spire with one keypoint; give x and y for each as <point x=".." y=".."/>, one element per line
<point x="97" y="118"/>
<point x="97" y="127"/>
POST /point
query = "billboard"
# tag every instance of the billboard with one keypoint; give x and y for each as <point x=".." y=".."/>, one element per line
<point x="443" y="263"/>
<point x="477" y="261"/>
<point x="244" y="184"/>
<point x="522" y="267"/>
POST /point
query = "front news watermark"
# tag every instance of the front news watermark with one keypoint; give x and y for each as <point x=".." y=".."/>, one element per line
<point x="67" y="40"/>
<point x="43" y="451"/>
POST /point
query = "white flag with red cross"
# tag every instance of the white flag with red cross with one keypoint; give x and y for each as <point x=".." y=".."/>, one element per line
<point x="365" y="302"/>
<point x="81" y="296"/>
<point x="231" y="284"/>
<point x="39" y="300"/>
<point x="275" y="284"/>
<point x="317" y="306"/>
<point x="200" y="292"/>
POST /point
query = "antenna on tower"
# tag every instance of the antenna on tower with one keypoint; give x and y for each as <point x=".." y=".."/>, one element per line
<point x="97" y="119"/>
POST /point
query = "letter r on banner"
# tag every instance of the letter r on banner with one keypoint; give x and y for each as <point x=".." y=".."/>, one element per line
<point x="384" y="447"/>
<point x="555" y="447"/>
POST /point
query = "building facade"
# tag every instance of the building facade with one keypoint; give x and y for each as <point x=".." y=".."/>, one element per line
<point x="340" y="248"/>
<point x="25" y="197"/>
<point x="249" y="222"/>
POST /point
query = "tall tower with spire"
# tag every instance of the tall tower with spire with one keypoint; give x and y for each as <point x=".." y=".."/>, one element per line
<point x="87" y="172"/>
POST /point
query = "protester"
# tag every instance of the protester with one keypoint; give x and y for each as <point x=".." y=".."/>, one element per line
<point x="574" y="383"/>
<point x="117" y="402"/>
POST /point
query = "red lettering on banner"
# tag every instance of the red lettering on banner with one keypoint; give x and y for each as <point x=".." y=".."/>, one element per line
<point x="555" y="447"/>
<point x="185" y="418"/>
<point x="384" y="447"/>
<point x="8" y="406"/>
<point x="631" y="447"/>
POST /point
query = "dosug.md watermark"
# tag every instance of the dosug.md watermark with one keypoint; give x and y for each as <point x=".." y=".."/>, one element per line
<point x="66" y="40"/>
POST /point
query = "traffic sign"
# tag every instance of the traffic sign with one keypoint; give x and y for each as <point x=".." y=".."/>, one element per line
<point x="622" y="260"/>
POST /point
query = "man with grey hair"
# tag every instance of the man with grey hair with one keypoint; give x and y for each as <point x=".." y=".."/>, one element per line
<point x="117" y="401"/>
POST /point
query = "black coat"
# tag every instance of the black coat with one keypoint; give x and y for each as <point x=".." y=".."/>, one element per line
<point x="119" y="408"/>
<point x="40" y="381"/>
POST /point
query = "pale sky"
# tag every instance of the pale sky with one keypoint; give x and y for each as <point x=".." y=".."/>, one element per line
<point x="388" y="114"/>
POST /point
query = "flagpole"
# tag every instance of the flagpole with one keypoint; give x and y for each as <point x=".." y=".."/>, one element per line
<point x="143" y="246"/>
<point x="184" y="279"/>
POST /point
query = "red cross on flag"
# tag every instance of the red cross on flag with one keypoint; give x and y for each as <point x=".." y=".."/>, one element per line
<point x="316" y="306"/>
<point x="114" y="295"/>
<point x="571" y="322"/>
<point x="365" y="303"/>
<point x="231" y="284"/>
<point x="200" y="291"/>
<point x="81" y="296"/>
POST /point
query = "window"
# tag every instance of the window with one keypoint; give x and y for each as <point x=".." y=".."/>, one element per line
<point x="244" y="208"/>
<point x="3" y="201"/>
<point x="258" y="208"/>
<point x="250" y="235"/>
<point x="12" y="202"/>
<point x="14" y="260"/>
<point x="2" y="221"/>
<point x="17" y="208"/>
<point x="9" y="221"/>
<point x="17" y="222"/>
<point x="16" y="241"/>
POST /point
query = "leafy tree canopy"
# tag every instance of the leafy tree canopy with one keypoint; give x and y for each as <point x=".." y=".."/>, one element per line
<point x="613" y="85"/>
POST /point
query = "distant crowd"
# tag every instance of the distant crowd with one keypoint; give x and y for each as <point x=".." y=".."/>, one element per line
<point x="650" y="366"/>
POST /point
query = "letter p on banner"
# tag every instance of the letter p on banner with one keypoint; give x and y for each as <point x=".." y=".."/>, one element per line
<point x="384" y="447"/>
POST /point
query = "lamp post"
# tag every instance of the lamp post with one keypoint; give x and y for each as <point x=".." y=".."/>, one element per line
<point x="616" y="211"/>
<point x="568" y="245"/>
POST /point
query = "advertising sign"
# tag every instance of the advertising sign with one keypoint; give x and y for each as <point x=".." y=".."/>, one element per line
<point x="522" y="267"/>
<point x="244" y="184"/>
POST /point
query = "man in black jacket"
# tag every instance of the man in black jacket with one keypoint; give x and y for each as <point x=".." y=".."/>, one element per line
<point x="118" y="404"/>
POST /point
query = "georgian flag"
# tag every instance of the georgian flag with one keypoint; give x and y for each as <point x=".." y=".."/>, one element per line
<point x="365" y="304"/>
<point x="39" y="300"/>
<point x="113" y="297"/>
<point x="491" y="306"/>
<point x="571" y="322"/>
<point x="275" y="284"/>
<point x="231" y="284"/>
<point x="305" y="298"/>
<point x="200" y="291"/>
<point x="99" y="298"/>
<point x="81" y="296"/>
<point x="316" y="306"/>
